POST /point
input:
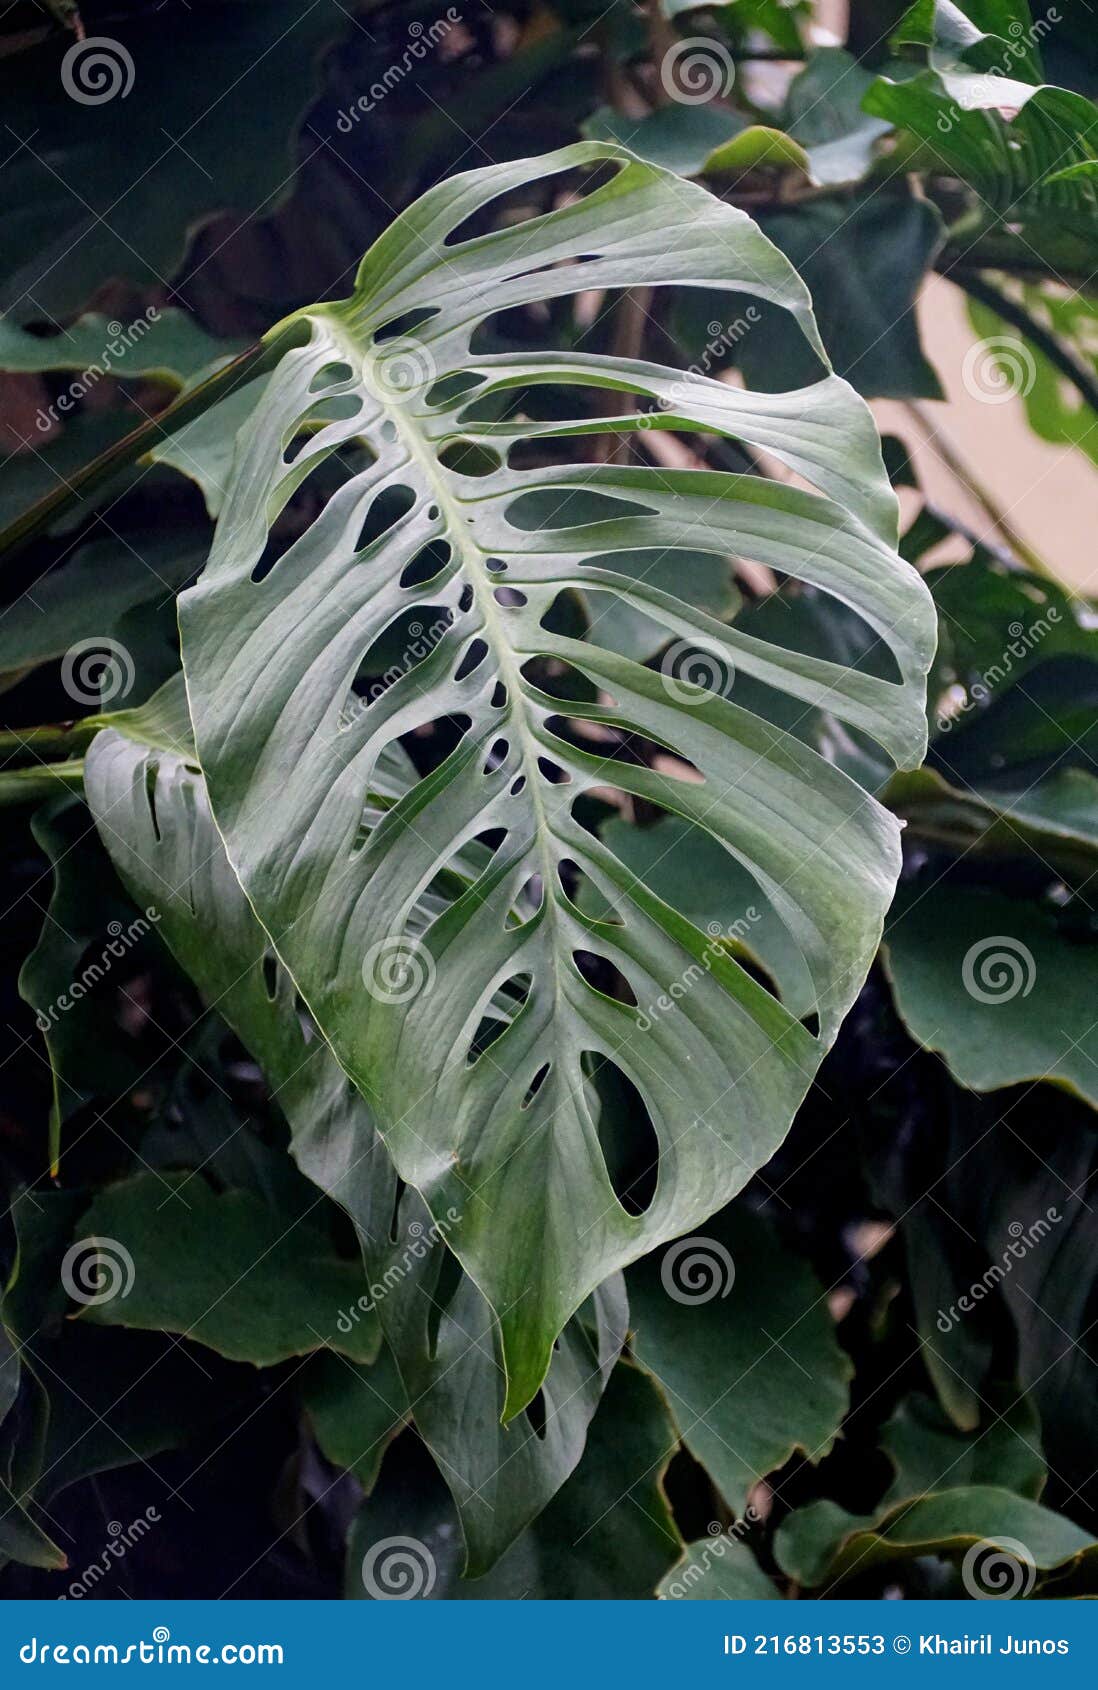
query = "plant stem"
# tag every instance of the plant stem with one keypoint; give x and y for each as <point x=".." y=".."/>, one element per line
<point x="185" y="409"/>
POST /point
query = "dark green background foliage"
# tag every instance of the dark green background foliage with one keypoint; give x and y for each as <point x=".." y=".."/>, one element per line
<point x="550" y="961"/>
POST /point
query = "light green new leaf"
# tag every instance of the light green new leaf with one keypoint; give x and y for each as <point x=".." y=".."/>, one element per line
<point x="506" y="1137"/>
<point x="679" y="138"/>
<point x="153" y="815"/>
<point x="982" y="113"/>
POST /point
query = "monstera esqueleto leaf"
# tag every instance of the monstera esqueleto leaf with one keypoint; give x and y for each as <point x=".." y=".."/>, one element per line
<point x="452" y="487"/>
<point x="151" y="809"/>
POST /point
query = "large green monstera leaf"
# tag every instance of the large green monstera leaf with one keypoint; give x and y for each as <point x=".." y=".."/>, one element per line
<point x="427" y="508"/>
<point x="151" y="811"/>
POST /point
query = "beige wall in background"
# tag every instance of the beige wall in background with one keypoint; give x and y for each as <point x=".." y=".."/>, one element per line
<point x="1049" y="493"/>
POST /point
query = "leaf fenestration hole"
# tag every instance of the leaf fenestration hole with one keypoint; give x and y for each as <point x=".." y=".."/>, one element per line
<point x="604" y="976"/>
<point x="496" y="754"/>
<point x="428" y="562"/>
<point x="536" y="1084"/>
<point x="627" y="1137"/>
<point x="397" y="327"/>
<point x="469" y="457"/>
<point x="507" y="1001"/>
<point x="535" y="1414"/>
<point x="580" y="889"/>
<point x="446" y="1288"/>
<point x="384" y="513"/>
<point x="544" y="510"/>
<point x="331" y="375"/>
<point x="475" y="653"/>
<point x="399" y="1188"/>
<point x="449" y="389"/>
<point x="304" y="1019"/>
<point x="531" y="897"/>
<point x="553" y="773"/>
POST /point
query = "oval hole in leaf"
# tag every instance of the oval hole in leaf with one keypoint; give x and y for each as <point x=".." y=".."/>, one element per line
<point x="405" y="324"/>
<point x="627" y="1138"/>
<point x="468" y="457"/>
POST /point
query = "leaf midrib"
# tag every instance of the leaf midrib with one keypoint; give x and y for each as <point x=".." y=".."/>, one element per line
<point x="473" y="562"/>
